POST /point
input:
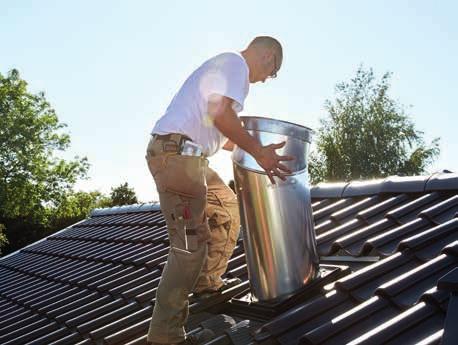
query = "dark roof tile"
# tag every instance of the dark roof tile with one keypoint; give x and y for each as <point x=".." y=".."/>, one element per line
<point x="119" y="272"/>
<point x="451" y="249"/>
<point x="131" y="332"/>
<point x="331" y="208"/>
<point x="74" y="302"/>
<point x="412" y="208"/>
<point x="52" y="336"/>
<point x="53" y="296"/>
<point x="143" y="277"/>
<point x="71" y="339"/>
<point x="241" y="333"/>
<point x="432" y="339"/>
<point x="92" y="313"/>
<point x="406" y="289"/>
<point x="91" y="280"/>
<point x="70" y="296"/>
<point x="363" y="283"/>
<point x="409" y="327"/>
<point x="429" y="243"/>
<point x="9" y="317"/>
<point x="146" y="296"/>
<point x="325" y="212"/>
<point x="449" y="281"/>
<point x="239" y="272"/>
<point x="312" y="312"/>
<point x="352" y="323"/>
<point x="450" y="336"/>
<point x="97" y="323"/>
<point x="381" y="208"/>
<point x="442" y="211"/>
<point x="142" y="288"/>
<point x="387" y="242"/>
<point x="120" y="279"/>
<point x="79" y="310"/>
<point x="295" y="333"/>
<point x="8" y="331"/>
<point x="353" y="243"/>
<point x="325" y="226"/>
<point x="351" y="210"/>
<point x="81" y="272"/>
<point x="326" y="240"/>
<point x="320" y="204"/>
<point x="437" y="296"/>
<point x="32" y="331"/>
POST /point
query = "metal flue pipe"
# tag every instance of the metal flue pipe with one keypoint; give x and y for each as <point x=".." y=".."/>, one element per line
<point x="277" y="223"/>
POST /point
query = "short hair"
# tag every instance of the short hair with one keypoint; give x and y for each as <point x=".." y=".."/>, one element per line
<point x="267" y="42"/>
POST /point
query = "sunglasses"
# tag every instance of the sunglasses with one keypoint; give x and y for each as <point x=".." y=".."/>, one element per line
<point x="274" y="73"/>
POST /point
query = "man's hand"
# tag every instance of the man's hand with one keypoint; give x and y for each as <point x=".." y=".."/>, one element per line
<point x="229" y="146"/>
<point x="227" y="122"/>
<point x="268" y="159"/>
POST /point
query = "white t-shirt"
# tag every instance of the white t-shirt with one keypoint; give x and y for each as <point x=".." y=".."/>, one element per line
<point x="226" y="74"/>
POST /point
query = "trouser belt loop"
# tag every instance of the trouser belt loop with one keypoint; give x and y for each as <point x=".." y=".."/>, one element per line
<point x="172" y="142"/>
<point x="178" y="138"/>
<point x="175" y="142"/>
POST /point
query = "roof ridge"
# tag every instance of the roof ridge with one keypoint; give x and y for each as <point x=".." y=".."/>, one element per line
<point x="443" y="180"/>
<point x="134" y="208"/>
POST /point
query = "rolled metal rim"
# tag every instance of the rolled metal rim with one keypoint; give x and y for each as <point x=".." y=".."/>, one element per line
<point x="264" y="124"/>
<point x="263" y="172"/>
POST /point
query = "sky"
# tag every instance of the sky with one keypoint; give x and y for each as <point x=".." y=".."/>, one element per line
<point x="110" y="68"/>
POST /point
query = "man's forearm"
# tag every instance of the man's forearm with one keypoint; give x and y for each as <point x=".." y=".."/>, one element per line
<point x="230" y="125"/>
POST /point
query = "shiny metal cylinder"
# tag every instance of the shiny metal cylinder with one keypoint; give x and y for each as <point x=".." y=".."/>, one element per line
<point x="276" y="219"/>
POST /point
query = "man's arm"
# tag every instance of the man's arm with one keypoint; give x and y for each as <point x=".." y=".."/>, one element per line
<point x="229" y="146"/>
<point x="227" y="122"/>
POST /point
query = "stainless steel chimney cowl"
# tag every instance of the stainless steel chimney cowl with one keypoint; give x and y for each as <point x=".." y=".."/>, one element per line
<point x="276" y="219"/>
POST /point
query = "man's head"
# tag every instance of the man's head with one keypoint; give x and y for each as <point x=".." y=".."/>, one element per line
<point x="264" y="56"/>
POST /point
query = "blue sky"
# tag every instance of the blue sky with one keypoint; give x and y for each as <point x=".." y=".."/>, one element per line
<point x="110" y="68"/>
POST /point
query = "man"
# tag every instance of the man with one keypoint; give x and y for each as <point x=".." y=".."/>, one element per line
<point x="201" y="212"/>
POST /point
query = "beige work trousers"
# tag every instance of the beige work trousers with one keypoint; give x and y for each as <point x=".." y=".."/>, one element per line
<point x="203" y="224"/>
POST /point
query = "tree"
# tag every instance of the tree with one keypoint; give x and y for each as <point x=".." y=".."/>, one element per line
<point x="367" y="134"/>
<point x="3" y="239"/>
<point x="32" y="177"/>
<point x="75" y="207"/>
<point x="123" y="195"/>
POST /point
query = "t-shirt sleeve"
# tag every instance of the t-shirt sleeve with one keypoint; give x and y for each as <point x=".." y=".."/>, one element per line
<point x="228" y="78"/>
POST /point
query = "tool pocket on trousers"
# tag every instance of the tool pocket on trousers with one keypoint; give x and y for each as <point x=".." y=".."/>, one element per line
<point x="185" y="175"/>
<point x="234" y="227"/>
<point x="218" y="216"/>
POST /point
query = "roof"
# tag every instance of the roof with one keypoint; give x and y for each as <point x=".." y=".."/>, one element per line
<point x="389" y="258"/>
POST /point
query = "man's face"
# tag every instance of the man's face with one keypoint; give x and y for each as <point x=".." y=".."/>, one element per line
<point x="268" y="67"/>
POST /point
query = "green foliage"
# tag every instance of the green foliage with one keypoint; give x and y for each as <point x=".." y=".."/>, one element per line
<point x="123" y="195"/>
<point x="367" y="135"/>
<point x="36" y="187"/>
<point x="75" y="206"/>
<point x="33" y="179"/>
<point x="3" y="239"/>
<point x="31" y="176"/>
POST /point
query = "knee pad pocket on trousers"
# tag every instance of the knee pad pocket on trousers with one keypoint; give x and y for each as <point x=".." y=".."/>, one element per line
<point x="203" y="232"/>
